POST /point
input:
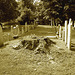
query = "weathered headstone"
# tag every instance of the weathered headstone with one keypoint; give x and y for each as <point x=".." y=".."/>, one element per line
<point x="66" y="32"/>
<point x="1" y="36"/>
<point x="69" y="34"/>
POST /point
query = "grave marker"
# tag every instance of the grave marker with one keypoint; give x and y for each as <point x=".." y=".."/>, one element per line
<point x="66" y="32"/>
<point x="1" y="36"/>
<point x="69" y="34"/>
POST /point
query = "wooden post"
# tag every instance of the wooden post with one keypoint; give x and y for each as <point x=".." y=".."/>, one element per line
<point x="1" y="36"/>
<point x="60" y="33"/>
<point x="69" y="34"/>
<point x="66" y="31"/>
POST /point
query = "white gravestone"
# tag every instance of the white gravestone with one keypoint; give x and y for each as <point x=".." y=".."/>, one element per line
<point x="66" y="32"/>
<point x="63" y="34"/>
<point x="1" y="36"/>
<point x="60" y="33"/>
<point x="69" y="34"/>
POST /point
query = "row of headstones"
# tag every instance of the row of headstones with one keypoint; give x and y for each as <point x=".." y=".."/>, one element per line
<point x="18" y="30"/>
<point x="65" y="34"/>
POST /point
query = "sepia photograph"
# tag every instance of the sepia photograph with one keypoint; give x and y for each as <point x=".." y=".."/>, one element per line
<point x="37" y="37"/>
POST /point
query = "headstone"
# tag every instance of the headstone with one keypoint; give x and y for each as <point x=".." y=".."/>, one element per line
<point x="63" y="34"/>
<point x="74" y="25"/>
<point x="22" y="30"/>
<point x="1" y="36"/>
<point x="60" y="33"/>
<point x="51" y="23"/>
<point x="18" y="30"/>
<point x="69" y="34"/>
<point x="11" y="29"/>
<point x="26" y="28"/>
<point x="66" y="32"/>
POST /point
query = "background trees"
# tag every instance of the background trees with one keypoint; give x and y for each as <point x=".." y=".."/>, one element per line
<point x="42" y="11"/>
<point x="8" y="10"/>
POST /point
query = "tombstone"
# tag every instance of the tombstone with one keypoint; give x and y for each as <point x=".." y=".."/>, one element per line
<point x="18" y="30"/>
<point x="74" y="25"/>
<point x="1" y="36"/>
<point x="51" y="23"/>
<point x="66" y="32"/>
<point x="63" y="34"/>
<point x="60" y="33"/>
<point x="11" y="29"/>
<point x="22" y="30"/>
<point x="69" y="34"/>
<point x="14" y="31"/>
<point x="26" y="27"/>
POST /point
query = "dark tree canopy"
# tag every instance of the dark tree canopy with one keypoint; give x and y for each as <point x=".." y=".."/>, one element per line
<point x="8" y="10"/>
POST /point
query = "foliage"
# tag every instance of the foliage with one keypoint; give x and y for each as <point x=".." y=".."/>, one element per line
<point x="8" y="10"/>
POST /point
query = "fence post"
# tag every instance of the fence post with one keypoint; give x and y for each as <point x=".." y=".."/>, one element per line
<point x="66" y="32"/>
<point x="1" y="36"/>
<point x="69" y="34"/>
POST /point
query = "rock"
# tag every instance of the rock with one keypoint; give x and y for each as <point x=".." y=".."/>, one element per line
<point x="17" y="46"/>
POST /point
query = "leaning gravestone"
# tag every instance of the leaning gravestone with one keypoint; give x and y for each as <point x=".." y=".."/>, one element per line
<point x="1" y="36"/>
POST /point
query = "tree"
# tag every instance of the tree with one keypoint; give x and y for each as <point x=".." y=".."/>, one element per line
<point x="8" y="10"/>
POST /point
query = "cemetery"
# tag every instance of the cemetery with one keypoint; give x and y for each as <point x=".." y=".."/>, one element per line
<point x="35" y="40"/>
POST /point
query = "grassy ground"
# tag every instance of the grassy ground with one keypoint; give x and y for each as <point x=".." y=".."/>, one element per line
<point x="60" y="61"/>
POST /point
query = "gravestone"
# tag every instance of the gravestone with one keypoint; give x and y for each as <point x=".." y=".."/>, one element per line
<point x="60" y="33"/>
<point x="1" y="36"/>
<point x="22" y="30"/>
<point x="63" y="34"/>
<point x="18" y="30"/>
<point x="66" y="32"/>
<point x="26" y="27"/>
<point x="69" y="34"/>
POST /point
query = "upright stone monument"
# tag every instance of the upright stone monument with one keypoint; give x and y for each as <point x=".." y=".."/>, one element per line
<point x="63" y="34"/>
<point x="66" y="32"/>
<point x="69" y="34"/>
<point x="22" y="30"/>
<point x="60" y="32"/>
<point x="1" y="36"/>
<point x="26" y="27"/>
